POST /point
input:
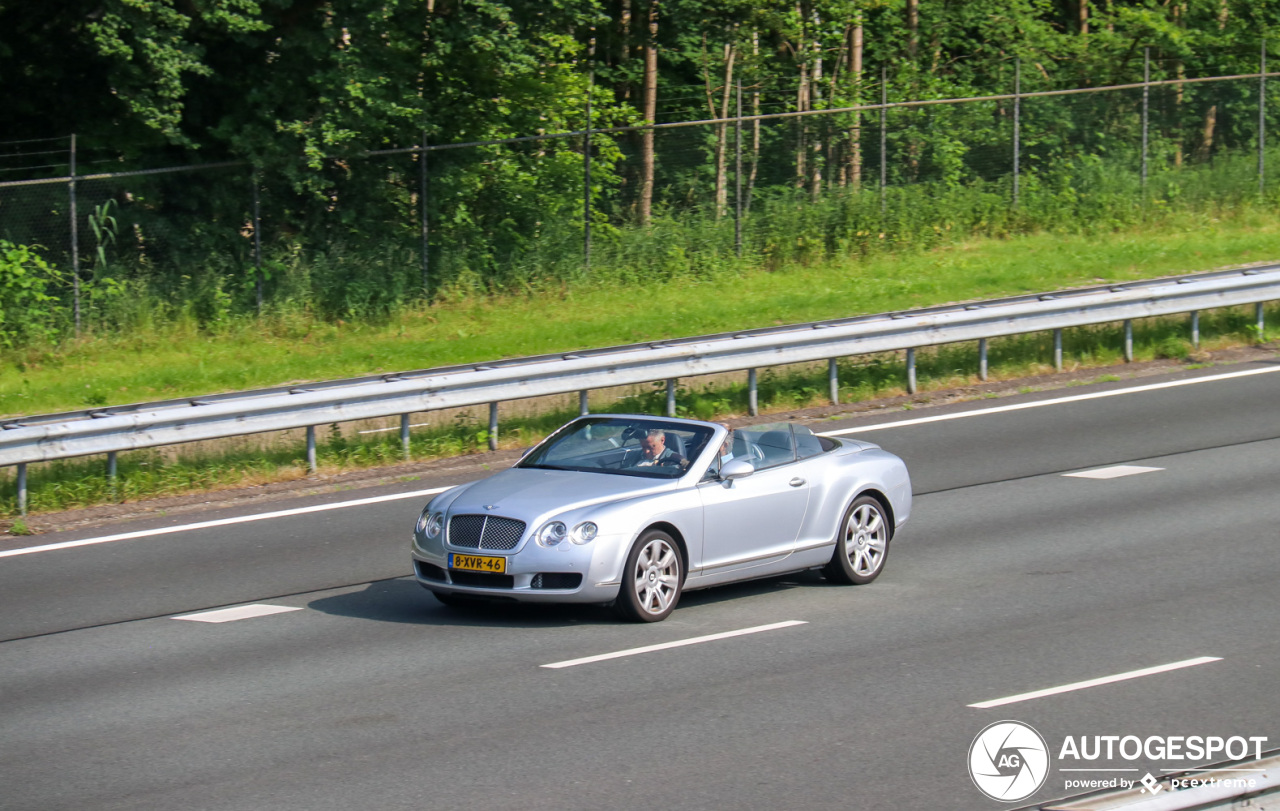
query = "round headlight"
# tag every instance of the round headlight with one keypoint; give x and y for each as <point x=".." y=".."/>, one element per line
<point x="585" y="532"/>
<point x="553" y="533"/>
<point x="422" y="520"/>
<point x="434" y="524"/>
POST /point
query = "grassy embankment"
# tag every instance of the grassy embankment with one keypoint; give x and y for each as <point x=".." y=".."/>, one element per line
<point x="181" y="360"/>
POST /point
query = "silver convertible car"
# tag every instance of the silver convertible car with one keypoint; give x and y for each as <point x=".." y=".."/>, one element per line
<point x="634" y="510"/>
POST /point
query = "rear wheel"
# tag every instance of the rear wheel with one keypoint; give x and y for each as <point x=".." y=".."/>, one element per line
<point x="652" y="579"/>
<point x="862" y="543"/>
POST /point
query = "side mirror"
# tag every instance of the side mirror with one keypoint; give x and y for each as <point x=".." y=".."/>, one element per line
<point x="737" y="469"/>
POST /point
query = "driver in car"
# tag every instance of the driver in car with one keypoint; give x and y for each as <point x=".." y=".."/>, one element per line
<point x="654" y="451"/>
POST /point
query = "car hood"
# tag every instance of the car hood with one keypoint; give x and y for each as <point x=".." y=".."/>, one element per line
<point x="528" y="493"/>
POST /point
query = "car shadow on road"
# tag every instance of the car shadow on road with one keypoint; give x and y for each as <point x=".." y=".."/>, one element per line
<point x="402" y="600"/>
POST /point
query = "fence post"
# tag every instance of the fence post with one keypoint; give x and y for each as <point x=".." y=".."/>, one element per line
<point x="1017" y="126"/>
<point x="75" y="239"/>
<point x="1262" y="116"/>
<point x="911" y="371"/>
<point x="671" y="397"/>
<point x="982" y="359"/>
<point x="1260" y="314"/>
<point x="833" y="381"/>
<point x="404" y="435"/>
<point x="1146" y="92"/>
<point x="1195" y="328"/>
<point x="752" y="393"/>
<point x="112" y="468"/>
<point x="493" y="426"/>
<point x="257" y="241"/>
<point x="1128" y="341"/>
<point x="1057" y="349"/>
<point x="422" y="202"/>
<point x="884" y="123"/>
<point x="583" y="407"/>
<point x="311" y="450"/>
<point x="737" y="176"/>
<point x="22" y="488"/>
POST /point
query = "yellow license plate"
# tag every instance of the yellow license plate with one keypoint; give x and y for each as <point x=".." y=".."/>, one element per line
<point x="477" y="563"/>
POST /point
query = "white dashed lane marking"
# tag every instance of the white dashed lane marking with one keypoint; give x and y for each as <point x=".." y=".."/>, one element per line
<point x="243" y="612"/>
<point x="1113" y="472"/>
<point x="1081" y="685"/>
<point x="679" y="643"/>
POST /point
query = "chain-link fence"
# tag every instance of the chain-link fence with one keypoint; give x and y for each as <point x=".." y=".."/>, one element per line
<point x="764" y="185"/>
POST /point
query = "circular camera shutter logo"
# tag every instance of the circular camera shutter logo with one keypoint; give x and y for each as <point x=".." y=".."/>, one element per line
<point x="1008" y="761"/>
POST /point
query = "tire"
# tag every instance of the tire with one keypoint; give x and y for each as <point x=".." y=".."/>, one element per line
<point x="652" y="578"/>
<point x="862" y="543"/>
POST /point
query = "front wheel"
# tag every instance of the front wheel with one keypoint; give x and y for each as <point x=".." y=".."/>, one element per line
<point x="652" y="579"/>
<point x="862" y="543"/>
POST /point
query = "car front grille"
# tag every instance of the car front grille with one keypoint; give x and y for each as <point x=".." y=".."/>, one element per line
<point x="483" y="580"/>
<point x="429" y="571"/>
<point x="485" y="532"/>
<point x="556" y="580"/>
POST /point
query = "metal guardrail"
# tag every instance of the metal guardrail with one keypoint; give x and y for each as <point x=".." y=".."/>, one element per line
<point x="117" y="428"/>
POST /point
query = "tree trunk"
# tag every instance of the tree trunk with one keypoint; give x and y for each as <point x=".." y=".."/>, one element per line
<point x="802" y="105"/>
<point x="650" y="112"/>
<point x="755" y="125"/>
<point x="722" y="129"/>
<point x="913" y="27"/>
<point x="1083" y="17"/>
<point x="855" y="132"/>
<point x="1206" y="135"/>
<point x="815" y="180"/>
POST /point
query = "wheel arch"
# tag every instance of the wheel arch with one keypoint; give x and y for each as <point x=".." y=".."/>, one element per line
<point x="677" y="536"/>
<point x="885" y="504"/>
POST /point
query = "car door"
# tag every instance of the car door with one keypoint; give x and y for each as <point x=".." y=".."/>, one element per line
<point x="754" y="521"/>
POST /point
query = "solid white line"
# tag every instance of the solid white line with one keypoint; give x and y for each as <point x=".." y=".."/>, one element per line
<point x="243" y="612"/>
<point x="1113" y="472"/>
<point x="677" y="644"/>
<point x="221" y="522"/>
<point x="1055" y="401"/>
<point x="1080" y="685"/>
<point x="1104" y="770"/>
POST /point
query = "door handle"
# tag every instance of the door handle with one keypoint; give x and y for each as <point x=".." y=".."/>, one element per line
<point x="797" y="482"/>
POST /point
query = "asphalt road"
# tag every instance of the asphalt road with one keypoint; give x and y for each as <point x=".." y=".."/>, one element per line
<point x="1010" y="577"/>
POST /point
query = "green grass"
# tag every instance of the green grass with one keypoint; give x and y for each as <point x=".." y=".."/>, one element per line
<point x="181" y="359"/>
<point x="76" y="483"/>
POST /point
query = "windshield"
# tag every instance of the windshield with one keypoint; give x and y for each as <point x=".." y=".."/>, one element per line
<point x="626" y="446"/>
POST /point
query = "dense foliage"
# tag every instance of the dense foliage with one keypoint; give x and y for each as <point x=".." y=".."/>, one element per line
<point x="298" y="93"/>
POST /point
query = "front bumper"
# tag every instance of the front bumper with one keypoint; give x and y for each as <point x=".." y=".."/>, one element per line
<point x="566" y="573"/>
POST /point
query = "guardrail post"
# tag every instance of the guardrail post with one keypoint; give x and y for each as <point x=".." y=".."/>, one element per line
<point x="671" y="397"/>
<point x="752" y="393"/>
<point x="493" y="426"/>
<point x="1057" y="349"/>
<point x="982" y="358"/>
<point x="311" y="450"/>
<point x="911" y="371"/>
<point x="22" y="488"/>
<point x="1260" y="315"/>
<point x="404" y="435"/>
<point x="833" y="381"/>
<point x="1195" y="328"/>
<point x="1128" y="340"/>
<point x="583" y="408"/>
<point x="112" y="468"/>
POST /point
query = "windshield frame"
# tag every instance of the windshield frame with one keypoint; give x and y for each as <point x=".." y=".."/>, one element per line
<point x="620" y="444"/>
